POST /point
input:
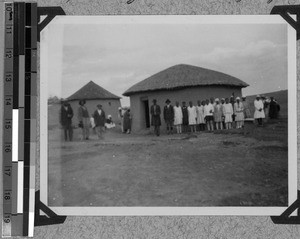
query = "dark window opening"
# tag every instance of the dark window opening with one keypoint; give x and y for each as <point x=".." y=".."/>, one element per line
<point x="147" y="114"/>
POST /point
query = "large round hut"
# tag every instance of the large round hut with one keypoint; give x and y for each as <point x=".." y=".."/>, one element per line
<point x="94" y="94"/>
<point x="179" y="83"/>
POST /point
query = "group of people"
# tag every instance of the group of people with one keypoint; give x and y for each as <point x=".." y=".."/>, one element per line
<point x="208" y="115"/>
<point x="211" y="114"/>
<point x="98" y="120"/>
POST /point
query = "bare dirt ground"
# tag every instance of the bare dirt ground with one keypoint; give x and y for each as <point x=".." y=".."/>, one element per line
<point x="226" y="168"/>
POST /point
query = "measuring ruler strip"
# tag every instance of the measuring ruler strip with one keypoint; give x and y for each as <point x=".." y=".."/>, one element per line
<point x="7" y="116"/>
<point x="33" y="117"/>
<point x="18" y="117"/>
<point x="31" y="113"/>
<point x="30" y="83"/>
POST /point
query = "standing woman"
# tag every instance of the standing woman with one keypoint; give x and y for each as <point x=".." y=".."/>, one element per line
<point x="228" y="112"/>
<point x="218" y="112"/>
<point x="99" y="117"/>
<point x="185" y="117"/>
<point x="259" y="113"/>
<point x="84" y="120"/>
<point x="178" y="117"/>
<point x="239" y="113"/>
<point x="200" y="115"/>
<point x="127" y="121"/>
<point x="192" y="113"/>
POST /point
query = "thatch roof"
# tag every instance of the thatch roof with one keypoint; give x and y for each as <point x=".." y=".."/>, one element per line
<point x="182" y="76"/>
<point x="92" y="91"/>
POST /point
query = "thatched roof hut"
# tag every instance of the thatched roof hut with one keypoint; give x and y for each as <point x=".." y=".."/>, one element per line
<point x="182" y="76"/>
<point x="179" y="83"/>
<point x="94" y="94"/>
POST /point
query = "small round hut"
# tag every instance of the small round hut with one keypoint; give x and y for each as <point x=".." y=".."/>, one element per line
<point x="94" y="94"/>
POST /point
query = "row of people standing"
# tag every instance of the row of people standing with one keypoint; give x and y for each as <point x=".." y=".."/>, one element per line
<point x="209" y="114"/>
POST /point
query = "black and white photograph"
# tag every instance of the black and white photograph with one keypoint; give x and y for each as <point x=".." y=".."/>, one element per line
<point x="168" y="115"/>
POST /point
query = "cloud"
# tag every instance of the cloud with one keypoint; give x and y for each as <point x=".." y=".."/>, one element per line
<point x="252" y="49"/>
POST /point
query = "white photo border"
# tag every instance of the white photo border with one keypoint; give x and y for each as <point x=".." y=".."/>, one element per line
<point x="173" y="211"/>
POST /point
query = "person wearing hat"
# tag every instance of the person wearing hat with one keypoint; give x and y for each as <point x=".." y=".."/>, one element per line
<point x="247" y="113"/>
<point x="239" y="113"/>
<point x="259" y="113"/>
<point x="185" y="117"/>
<point x="274" y="109"/>
<point x="155" y="117"/>
<point x="169" y="116"/>
<point x="109" y="124"/>
<point x="99" y="118"/>
<point x="218" y="112"/>
<point x="65" y="119"/>
<point x="84" y="120"/>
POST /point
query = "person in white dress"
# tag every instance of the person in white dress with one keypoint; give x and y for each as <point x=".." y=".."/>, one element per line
<point x="239" y="113"/>
<point x="228" y="111"/>
<point x="259" y="113"/>
<point x="192" y="113"/>
<point x="218" y="112"/>
<point x="209" y="115"/>
<point x="200" y="115"/>
<point x="178" y="117"/>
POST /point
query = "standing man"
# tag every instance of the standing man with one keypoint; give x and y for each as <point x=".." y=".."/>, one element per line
<point x="155" y="117"/>
<point x="247" y="113"/>
<point x="169" y="116"/>
<point x="273" y="111"/>
<point x="65" y="119"/>
<point x="84" y="120"/>
<point x="259" y="113"/>
<point x="208" y="113"/>
<point x="99" y="117"/>
<point x="185" y="117"/>
<point x="232" y="101"/>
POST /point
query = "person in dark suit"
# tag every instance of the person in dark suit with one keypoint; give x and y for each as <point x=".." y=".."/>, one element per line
<point x="66" y="115"/>
<point x="155" y="117"/>
<point x="185" y="117"/>
<point x="274" y="109"/>
<point x="99" y="119"/>
<point x="169" y="116"/>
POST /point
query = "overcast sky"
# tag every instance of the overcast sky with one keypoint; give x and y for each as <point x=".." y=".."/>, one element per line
<point x="116" y="56"/>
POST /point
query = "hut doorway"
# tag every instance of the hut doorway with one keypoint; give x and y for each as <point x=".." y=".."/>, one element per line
<point x="146" y="112"/>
